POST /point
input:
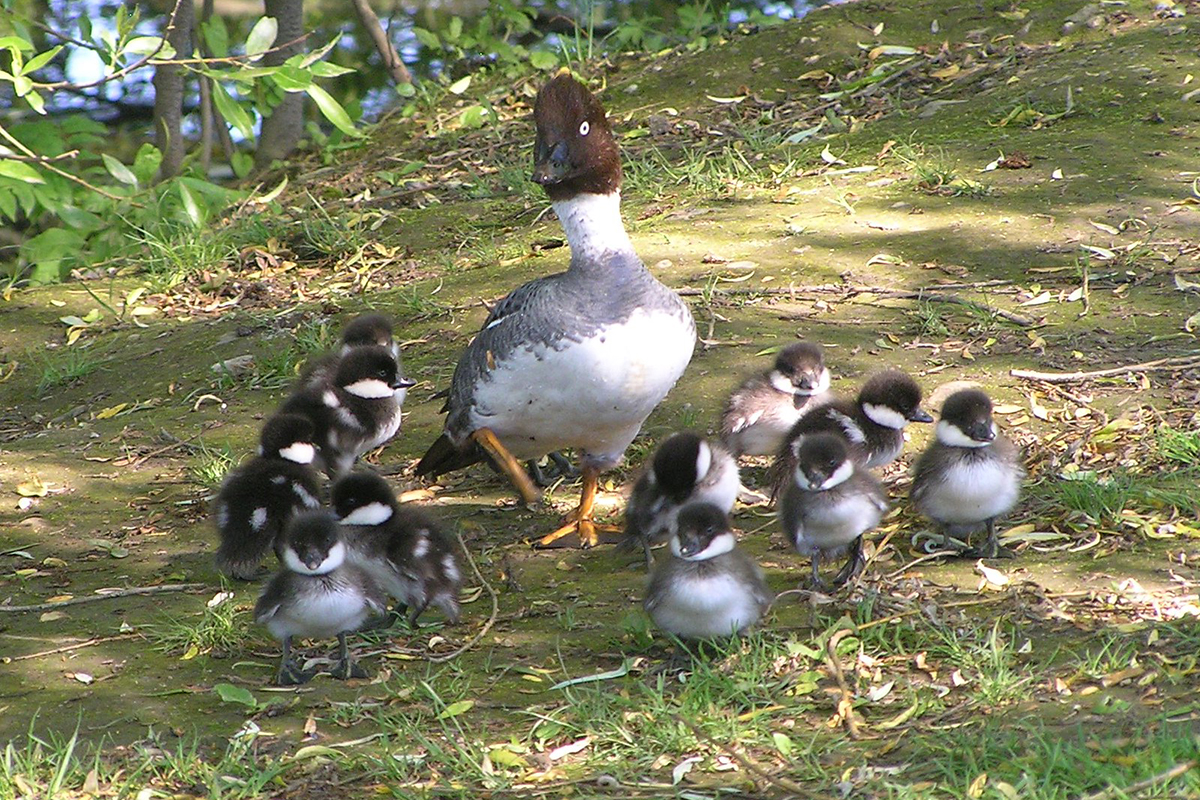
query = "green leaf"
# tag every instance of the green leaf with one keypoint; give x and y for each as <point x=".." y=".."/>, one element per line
<point x="118" y="170"/>
<point x="473" y="117"/>
<point x="317" y="55"/>
<point x="17" y="43"/>
<point x="235" y="694"/>
<point x="427" y="38"/>
<point x="22" y="84"/>
<point x="36" y="102"/>
<point x="460" y="85"/>
<point x="454" y="709"/>
<point x="292" y="79"/>
<point x="242" y="163"/>
<point x="783" y="744"/>
<point x="323" y="69"/>
<point x="146" y="45"/>
<point x="261" y="37"/>
<point x="21" y="171"/>
<point x="40" y="60"/>
<point x="191" y="207"/>
<point x="271" y="195"/>
<point x="455" y="31"/>
<point x="52" y="253"/>
<point x="146" y="163"/>
<point x="216" y="36"/>
<point x="543" y="59"/>
<point x="406" y="89"/>
<point x="232" y="112"/>
<point x="332" y="110"/>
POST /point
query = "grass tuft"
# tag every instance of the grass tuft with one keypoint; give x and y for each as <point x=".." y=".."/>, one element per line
<point x="65" y="367"/>
<point x="221" y="627"/>
<point x="210" y="465"/>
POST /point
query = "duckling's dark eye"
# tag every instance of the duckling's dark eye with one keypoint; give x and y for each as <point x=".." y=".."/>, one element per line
<point x="584" y="128"/>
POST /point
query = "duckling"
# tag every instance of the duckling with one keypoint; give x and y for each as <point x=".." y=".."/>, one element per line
<point x="872" y="425"/>
<point x="578" y="359"/>
<point x="257" y="499"/>
<point x="362" y="331"/>
<point x="355" y="411"/>
<point x="403" y="548"/>
<point x="969" y="475"/>
<point x="685" y="469"/>
<point x="708" y="588"/>
<point x="829" y="504"/>
<point x="316" y="594"/>
<point x="762" y="410"/>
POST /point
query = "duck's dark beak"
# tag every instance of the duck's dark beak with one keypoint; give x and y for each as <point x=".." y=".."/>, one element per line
<point x="404" y="383"/>
<point x="920" y="415"/>
<point x="313" y="560"/>
<point x="551" y="165"/>
<point x="982" y="432"/>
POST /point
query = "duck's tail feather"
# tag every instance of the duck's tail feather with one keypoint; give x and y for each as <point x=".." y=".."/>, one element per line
<point x="442" y="457"/>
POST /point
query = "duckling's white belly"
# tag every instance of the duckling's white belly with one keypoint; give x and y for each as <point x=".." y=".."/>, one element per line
<point x="702" y="608"/>
<point x="320" y="614"/>
<point x="972" y="493"/>
<point x="593" y="394"/>
<point x="830" y="527"/>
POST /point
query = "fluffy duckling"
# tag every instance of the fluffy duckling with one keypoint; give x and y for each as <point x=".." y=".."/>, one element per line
<point x="403" y="548"/>
<point x="762" y="410"/>
<point x="829" y="503"/>
<point x="364" y="330"/>
<point x="685" y="469"/>
<point x="969" y="475"/>
<point x="356" y="410"/>
<point x="708" y="588"/>
<point x="872" y="424"/>
<point x="257" y="499"/>
<point x="316" y="594"/>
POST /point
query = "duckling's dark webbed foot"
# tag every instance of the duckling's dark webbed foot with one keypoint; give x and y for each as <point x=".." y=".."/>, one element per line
<point x="989" y="549"/>
<point x="853" y="566"/>
<point x="291" y="675"/>
<point x="344" y="670"/>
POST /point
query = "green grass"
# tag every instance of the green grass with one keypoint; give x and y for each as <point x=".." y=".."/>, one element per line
<point x="221" y="626"/>
<point x="933" y="174"/>
<point x="1178" y="446"/>
<point x="176" y="254"/>
<point x="209" y="465"/>
<point x="1099" y="497"/>
<point x="65" y="367"/>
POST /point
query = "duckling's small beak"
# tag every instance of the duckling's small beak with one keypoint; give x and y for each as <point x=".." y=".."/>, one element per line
<point x="982" y="432"/>
<point x="920" y="415"/>
<point x="689" y="547"/>
<point x="403" y="383"/>
<point x="313" y="560"/>
<point x="551" y="167"/>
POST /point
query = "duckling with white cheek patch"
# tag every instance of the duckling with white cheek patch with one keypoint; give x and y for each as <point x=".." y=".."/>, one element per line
<point x="258" y="498"/>
<point x="872" y="425"/>
<point x="317" y="594"/>
<point x="762" y="410"/>
<point x="708" y="588"/>
<point x="355" y="411"/>
<point x="829" y="504"/>
<point x="365" y="330"/>
<point x="403" y="548"/>
<point x="969" y="475"/>
<point x="685" y="469"/>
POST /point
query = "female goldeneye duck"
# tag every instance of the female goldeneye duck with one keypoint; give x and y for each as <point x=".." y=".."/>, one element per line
<point x="316" y="595"/>
<point x="402" y="548"/>
<point x="763" y="409"/>
<point x="356" y="410"/>
<point x="829" y="504"/>
<point x="685" y="469"/>
<point x="257" y="499"/>
<point x="573" y="360"/>
<point x="969" y="475"/>
<point x="708" y="588"/>
<point x="872" y="425"/>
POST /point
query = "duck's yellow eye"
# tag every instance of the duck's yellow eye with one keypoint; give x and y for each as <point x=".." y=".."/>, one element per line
<point x="584" y="127"/>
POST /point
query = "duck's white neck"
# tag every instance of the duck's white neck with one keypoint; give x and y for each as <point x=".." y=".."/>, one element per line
<point x="593" y="225"/>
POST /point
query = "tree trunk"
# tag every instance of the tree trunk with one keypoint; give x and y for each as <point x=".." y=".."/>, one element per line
<point x="206" y="102"/>
<point x="391" y="59"/>
<point x="168" y="91"/>
<point x="282" y="130"/>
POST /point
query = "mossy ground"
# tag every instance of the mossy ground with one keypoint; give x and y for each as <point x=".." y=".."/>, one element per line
<point x="1086" y="654"/>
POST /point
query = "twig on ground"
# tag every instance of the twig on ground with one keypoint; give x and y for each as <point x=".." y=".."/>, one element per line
<point x="750" y="766"/>
<point x="77" y="646"/>
<point x="491" y="620"/>
<point x="1158" y="365"/>
<point x="845" y="706"/>
<point x="108" y="595"/>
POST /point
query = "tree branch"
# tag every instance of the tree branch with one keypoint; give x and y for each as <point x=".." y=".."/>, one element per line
<point x="32" y="155"/>
<point x="1158" y="365"/>
<point x="391" y="59"/>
